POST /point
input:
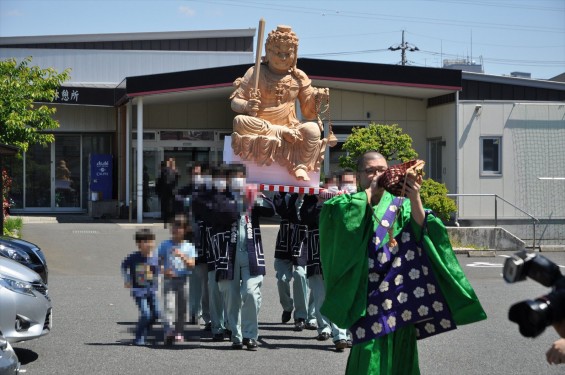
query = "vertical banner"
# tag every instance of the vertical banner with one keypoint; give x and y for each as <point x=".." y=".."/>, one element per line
<point x="101" y="175"/>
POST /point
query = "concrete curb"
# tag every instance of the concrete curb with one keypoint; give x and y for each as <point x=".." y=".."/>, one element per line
<point x="551" y="248"/>
<point x="473" y="253"/>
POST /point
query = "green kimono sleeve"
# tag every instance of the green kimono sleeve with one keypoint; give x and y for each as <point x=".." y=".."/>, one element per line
<point x="345" y="227"/>
<point x="458" y="292"/>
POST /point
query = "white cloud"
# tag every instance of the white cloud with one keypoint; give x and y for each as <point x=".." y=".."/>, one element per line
<point x="186" y="11"/>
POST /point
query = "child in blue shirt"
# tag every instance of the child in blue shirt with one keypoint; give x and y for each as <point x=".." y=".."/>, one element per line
<point x="176" y="258"/>
<point x="140" y="271"/>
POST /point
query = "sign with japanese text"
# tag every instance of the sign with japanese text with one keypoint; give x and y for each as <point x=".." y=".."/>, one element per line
<point x="101" y="175"/>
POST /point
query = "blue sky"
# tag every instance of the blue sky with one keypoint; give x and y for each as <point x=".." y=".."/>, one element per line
<point x="506" y="35"/>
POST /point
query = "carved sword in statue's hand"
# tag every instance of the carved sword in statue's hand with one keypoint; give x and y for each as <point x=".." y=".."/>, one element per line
<point x="255" y="94"/>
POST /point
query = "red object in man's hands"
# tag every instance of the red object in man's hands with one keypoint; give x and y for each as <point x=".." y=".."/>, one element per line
<point x="393" y="178"/>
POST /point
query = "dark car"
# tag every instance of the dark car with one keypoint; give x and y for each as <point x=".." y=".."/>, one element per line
<point x="26" y="253"/>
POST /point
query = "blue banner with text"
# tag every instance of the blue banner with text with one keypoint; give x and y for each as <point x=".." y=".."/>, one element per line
<point x="101" y="175"/>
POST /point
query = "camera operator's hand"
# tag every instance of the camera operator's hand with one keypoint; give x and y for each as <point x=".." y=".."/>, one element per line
<point x="556" y="354"/>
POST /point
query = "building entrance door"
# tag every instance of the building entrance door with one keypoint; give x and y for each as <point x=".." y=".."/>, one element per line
<point x="152" y="158"/>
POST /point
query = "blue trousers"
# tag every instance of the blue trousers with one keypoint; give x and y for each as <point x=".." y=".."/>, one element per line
<point x="148" y="314"/>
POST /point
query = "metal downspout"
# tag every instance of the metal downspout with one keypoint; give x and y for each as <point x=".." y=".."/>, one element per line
<point x="457" y="156"/>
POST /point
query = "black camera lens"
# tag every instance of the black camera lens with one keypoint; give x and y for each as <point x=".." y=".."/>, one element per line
<point x="531" y="316"/>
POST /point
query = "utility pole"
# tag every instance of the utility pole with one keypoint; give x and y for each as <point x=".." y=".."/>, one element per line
<point x="404" y="46"/>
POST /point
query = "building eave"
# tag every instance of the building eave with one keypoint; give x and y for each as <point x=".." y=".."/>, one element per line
<point x="74" y="38"/>
<point x="537" y="83"/>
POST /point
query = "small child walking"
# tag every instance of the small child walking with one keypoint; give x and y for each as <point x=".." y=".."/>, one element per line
<point x="176" y="257"/>
<point x="140" y="271"/>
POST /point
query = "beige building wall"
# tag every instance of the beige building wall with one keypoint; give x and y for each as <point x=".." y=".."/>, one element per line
<point x="410" y="114"/>
<point x="78" y="119"/>
<point x="533" y="140"/>
<point x="206" y="114"/>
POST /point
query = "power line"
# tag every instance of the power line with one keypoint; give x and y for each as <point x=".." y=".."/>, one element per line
<point x="388" y="17"/>
<point x="540" y="63"/>
<point x="497" y="4"/>
<point x="345" y="53"/>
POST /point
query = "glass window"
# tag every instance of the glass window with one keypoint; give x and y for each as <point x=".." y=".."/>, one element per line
<point x="147" y="136"/>
<point x="13" y="166"/>
<point x="335" y="153"/>
<point x="491" y="155"/>
<point x="67" y="171"/>
<point x="435" y="166"/>
<point x="37" y="176"/>
<point x="186" y="135"/>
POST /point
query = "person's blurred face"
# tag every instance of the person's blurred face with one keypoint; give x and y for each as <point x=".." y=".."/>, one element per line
<point x="146" y="247"/>
<point x="348" y="179"/>
<point x="372" y="168"/>
<point x="349" y="183"/>
<point x="237" y="182"/>
<point x="331" y="184"/>
<point x="207" y="181"/>
<point x="197" y="180"/>
<point x="220" y="183"/>
<point x="171" y="163"/>
<point x="178" y="230"/>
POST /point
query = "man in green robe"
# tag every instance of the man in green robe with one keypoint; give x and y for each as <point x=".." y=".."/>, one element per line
<point x="348" y="224"/>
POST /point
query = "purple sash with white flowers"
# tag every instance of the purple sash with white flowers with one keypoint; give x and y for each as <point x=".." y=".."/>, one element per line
<point x="402" y="289"/>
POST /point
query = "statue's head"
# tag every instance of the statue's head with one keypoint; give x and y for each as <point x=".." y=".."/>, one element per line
<point x="281" y="48"/>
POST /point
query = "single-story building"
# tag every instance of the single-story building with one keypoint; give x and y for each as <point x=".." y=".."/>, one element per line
<point x="496" y="142"/>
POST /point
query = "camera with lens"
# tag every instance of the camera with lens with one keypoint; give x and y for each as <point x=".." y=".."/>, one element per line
<point x="533" y="316"/>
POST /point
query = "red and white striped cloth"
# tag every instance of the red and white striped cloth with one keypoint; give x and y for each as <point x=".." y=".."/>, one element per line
<point x="323" y="193"/>
<point x="291" y="189"/>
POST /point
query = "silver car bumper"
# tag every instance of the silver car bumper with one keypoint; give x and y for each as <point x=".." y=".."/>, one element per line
<point x="24" y="317"/>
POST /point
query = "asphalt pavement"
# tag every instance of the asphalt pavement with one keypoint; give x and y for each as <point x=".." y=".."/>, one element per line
<point x="94" y="317"/>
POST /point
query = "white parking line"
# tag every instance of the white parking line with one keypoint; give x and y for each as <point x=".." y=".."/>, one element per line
<point x="485" y="265"/>
<point x="493" y="265"/>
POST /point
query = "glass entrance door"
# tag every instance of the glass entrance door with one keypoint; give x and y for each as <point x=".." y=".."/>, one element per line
<point x="151" y="162"/>
<point x="152" y="157"/>
<point x="37" y="176"/>
<point x="67" y="172"/>
<point x="184" y="156"/>
<point x="53" y="175"/>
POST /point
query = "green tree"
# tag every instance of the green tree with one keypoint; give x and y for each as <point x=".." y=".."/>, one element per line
<point x="434" y="196"/>
<point x="393" y="144"/>
<point x="389" y="140"/>
<point x="23" y="121"/>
